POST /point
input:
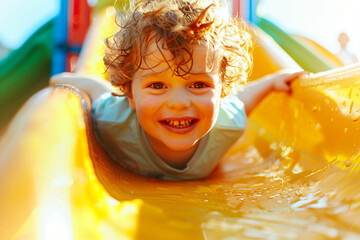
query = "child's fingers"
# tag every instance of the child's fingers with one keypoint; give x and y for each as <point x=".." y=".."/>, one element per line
<point x="292" y="77"/>
<point x="304" y="74"/>
<point x="282" y="86"/>
<point x="295" y="76"/>
<point x="292" y="73"/>
<point x="283" y="83"/>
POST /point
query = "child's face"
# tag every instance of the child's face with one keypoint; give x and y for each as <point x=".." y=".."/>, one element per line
<point x="176" y="112"/>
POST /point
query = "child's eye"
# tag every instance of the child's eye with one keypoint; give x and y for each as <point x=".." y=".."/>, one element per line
<point x="199" y="85"/>
<point x="157" y="85"/>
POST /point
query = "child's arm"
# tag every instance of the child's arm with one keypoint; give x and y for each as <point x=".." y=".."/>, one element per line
<point x="257" y="90"/>
<point x="94" y="86"/>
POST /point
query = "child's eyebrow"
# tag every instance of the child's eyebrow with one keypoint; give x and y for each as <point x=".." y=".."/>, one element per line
<point x="151" y="74"/>
<point x="189" y="76"/>
<point x="208" y="76"/>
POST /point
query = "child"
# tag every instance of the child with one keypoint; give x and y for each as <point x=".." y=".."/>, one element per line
<point x="177" y="63"/>
<point x="344" y="55"/>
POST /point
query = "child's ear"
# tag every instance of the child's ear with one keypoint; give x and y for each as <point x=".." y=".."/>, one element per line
<point x="129" y="96"/>
<point x="131" y="101"/>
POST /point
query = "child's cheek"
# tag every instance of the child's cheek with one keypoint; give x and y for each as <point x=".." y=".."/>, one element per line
<point x="211" y="100"/>
<point x="209" y="105"/>
<point x="149" y="104"/>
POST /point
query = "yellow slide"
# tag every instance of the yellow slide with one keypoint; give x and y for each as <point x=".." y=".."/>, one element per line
<point x="294" y="174"/>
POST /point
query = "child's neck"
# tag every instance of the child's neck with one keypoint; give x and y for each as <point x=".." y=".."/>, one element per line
<point x="175" y="159"/>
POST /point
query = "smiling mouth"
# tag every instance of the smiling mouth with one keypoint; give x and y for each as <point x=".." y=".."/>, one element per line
<point x="180" y="123"/>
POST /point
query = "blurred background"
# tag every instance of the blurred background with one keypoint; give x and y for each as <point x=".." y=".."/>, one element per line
<point x="40" y="38"/>
<point x="319" y="20"/>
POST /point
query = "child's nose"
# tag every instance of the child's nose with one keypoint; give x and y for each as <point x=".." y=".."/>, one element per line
<point x="179" y="100"/>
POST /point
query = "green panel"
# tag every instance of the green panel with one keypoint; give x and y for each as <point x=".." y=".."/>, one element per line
<point x="25" y="71"/>
<point x="307" y="59"/>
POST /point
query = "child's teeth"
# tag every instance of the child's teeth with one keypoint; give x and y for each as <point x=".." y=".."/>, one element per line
<point x="179" y="123"/>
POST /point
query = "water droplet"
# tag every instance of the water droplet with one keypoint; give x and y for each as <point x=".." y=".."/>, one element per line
<point x="348" y="163"/>
<point x="233" y="203"/>
<point x="315" y="108"/>
<point x="351" y="107"/>
<point x="262" y="131"/>
<point x="345" y="130"/>
<point x="355" y="119"/>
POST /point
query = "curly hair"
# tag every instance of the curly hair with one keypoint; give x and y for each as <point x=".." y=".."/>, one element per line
<point x="176" y="26"/>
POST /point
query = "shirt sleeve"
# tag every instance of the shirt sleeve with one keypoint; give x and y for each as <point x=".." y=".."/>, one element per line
<point x="115" y="125"/>
<point x="232" y="114"/>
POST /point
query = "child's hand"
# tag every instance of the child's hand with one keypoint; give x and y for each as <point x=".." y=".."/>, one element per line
<point x="256" y="90"/>
<point x="282" y="80"/>
<point x="92" y="85"/>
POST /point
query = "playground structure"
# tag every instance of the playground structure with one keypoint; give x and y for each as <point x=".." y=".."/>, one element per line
<point x="294" y="173"/>
<point x="55" y="46"/>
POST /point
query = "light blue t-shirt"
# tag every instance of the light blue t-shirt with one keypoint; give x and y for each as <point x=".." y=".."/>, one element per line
<point x="121" y="135"/>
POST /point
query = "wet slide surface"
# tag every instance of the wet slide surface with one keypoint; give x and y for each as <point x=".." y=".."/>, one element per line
<point x="293" y="175"/>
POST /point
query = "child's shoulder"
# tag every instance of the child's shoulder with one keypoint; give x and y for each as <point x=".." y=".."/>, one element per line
<point x="232" y="103"/>
<point x="232" y="113"/>
<point x="111" y="108"/>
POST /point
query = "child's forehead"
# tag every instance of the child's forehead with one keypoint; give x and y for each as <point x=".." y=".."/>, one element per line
<point x="146" y="75"/>
<point x="204" y="59"/>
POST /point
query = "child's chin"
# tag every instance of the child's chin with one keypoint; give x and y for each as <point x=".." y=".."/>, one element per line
<point x="180" y="146"/>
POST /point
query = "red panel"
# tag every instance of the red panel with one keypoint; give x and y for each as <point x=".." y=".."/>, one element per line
<point x="236" y="8"/>
<point x="78" y="21"/>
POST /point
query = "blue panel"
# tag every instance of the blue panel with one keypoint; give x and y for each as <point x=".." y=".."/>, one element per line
<point x="253" y="18"/>
<point x="60" y="39"/>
